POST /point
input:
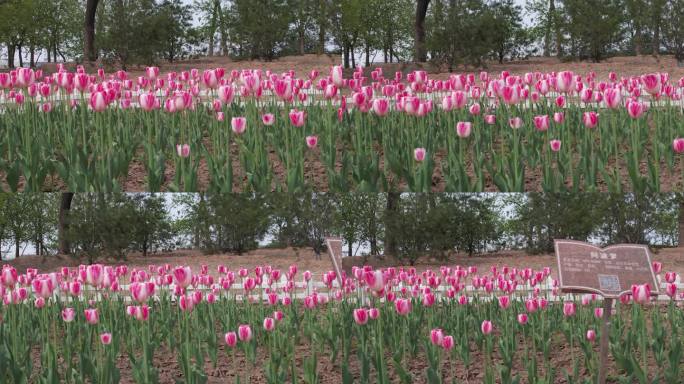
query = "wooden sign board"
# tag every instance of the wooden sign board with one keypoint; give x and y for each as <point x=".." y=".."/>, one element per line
<point x="335" y="251"/>
<point x="609" y="271"/>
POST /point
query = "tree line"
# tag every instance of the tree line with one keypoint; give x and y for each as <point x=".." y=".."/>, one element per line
<point x="446" y="32"/>
<point x="408" y="226"/>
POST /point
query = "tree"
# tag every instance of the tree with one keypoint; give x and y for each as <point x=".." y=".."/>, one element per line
<point x="594" y="26"/>
<point x="509" y="38"/>
<point x="673" y="31"/>
<point x="63" y="225"/>
<point x="259" y="27"/>
<point x="89" y="51"/>
<point x="421" y="13"/>
<point x="151" y="224"/>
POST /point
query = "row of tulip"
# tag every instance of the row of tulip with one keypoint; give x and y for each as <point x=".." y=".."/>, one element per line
<point x="487" y="133"/>
<point x="371" y="329"/>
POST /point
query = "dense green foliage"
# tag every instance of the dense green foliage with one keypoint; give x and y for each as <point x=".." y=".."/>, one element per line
<point x="112" y="225"/>
<point x="457" y="31"/>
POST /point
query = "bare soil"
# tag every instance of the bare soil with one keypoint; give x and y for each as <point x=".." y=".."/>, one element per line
<point x="304" y="258"/>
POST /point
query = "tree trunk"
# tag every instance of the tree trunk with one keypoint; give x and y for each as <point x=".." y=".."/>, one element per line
<point x="63" y="223"/>
<point x="346" y="56"/>
<point x="421" y="13"/>
<point x="32" y="56"/>
<point x="302" y="37"/>
<point x="556" y="25"/>
<point x="16" y="246"/>
<point x="390" y="211"/>
<point x="368" y="55"/>
<point x="353" y="56"/>
<point x="10" y="55"/>
<point x="223" y="35"/>
<point x="21" y="57"/>
<point x="681" y="223"/>
<point x="89" y="52"/>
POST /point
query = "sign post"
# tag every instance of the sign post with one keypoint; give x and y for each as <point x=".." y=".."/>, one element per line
<point x="609" y="272"/>
<point x="334" y="246"/>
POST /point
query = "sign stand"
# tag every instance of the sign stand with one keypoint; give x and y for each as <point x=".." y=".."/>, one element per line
<point x="334" y="246"/>
<point x="603" y="346"/>
<point x="609" y="272"/>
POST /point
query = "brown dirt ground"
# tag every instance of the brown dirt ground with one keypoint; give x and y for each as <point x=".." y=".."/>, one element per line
<point x="315" y="173"/>
<point x="304" y="259"/>
<point x="622" y="65"/>
<point x="330" y="371"/>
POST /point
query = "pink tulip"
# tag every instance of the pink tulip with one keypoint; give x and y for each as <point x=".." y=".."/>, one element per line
<point x="612" y="97"/>
<point x="226" y="93"/>
<point x="139" y="312"/>
<point x="591" y="335"/>
<point x="515" y="122"/>
<point x="269" y="324"/>
<point x="541" y="123"/>
<point x="98" y="101"/>
<point x="671" y="289"/>
<point x="297" y="118"/>
<point x="42" y="287"/>
<point x="522" y="318"/>
<point x="419" y="154"/>
<point x="504" y="301"/>
<point x="651" y="83"/>
<point x="641" y="293"/>
<point x="106" y="338"/>
<point x="330" y="91"/>
<point x="565" y="81"/>
<point x="486" y="327"/>
<point x="490" y="119"/>
<point x="670" y="277"/>
<point x="68" y="315"/>
<point x="374" y="313"/>
<point x="140" y="292"/>
<point x="39" y="303"/>
<point x="92" y="316"/>
<point x="657" y="267"/>
<point x="436" y="336"/>
<point x="559" y="117"/>
<point x="402" y="306"/>
<point x="268" y="119"/>
<point x="182" y="276"/>
<point x="590" y="119"/>
<point x="475" y="109"/>
<point x="186" y="303"/>
<point x="598" y="313"/>
<point x="311" y="141"/>
<point x="148" y="101"/>
<point x="560" y="101"/>
<point x="381" y="106"/>
<point x="635" y="109"/>
<point x="245" y="332"/>
<point x="337" y="75"/>
<point x="463" y="129"/>
<point x="678" y="145"/>
<point x="555" y="145"/>
<point x="238" y="124"/>
<point x="278" y="315"/>
<point x="183" y="150"/>
<point x="210" y="78"/>
<point x="230" y="339"/>
<point x="448" y="343"/>
<point x="569" y="309"/>
<point x="8" y="278"/>
<point x="360" y="316"/>
<point x="152" y="72"/>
